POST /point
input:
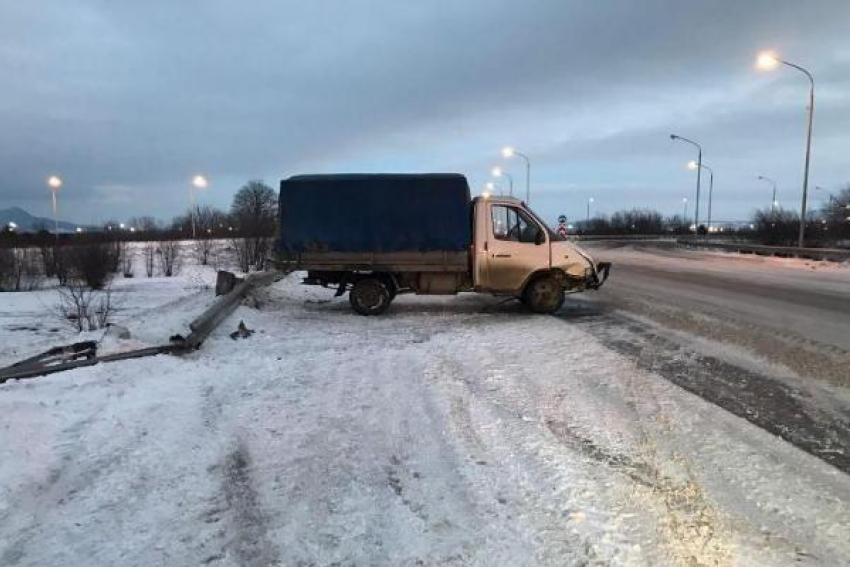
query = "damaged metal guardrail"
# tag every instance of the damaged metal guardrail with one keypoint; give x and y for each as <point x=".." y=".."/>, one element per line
<point x="84" y="353"/>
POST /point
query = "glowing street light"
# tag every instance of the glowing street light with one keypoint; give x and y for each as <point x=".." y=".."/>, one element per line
<point x="499" y="172"/>
<point x="694" y="165"/>
<point x="699" y="171"/>
<point x="509" y="152"/>
<point x="768" y="60"/>
<point x="773" y="202"/>
<point x="54" y="183"/>
<point x="200" y="183"/>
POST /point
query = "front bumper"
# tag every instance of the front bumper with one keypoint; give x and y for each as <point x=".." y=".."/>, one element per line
<point x="599" y="275"/>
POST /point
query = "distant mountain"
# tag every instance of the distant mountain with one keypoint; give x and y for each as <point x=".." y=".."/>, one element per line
<point x="28" y="223"/>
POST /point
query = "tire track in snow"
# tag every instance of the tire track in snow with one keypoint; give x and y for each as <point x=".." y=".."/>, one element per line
<point x="249" y="543"/>
<point x="245" y="525"/>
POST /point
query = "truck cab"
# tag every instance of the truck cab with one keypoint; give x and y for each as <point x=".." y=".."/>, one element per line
<point x="515" y="253"/>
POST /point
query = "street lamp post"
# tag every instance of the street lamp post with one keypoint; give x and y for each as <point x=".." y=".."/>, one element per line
<point x="54" y="183"/>
<point x="499" y="172"/>
<point x="699" y="174"/>
<point x="693" y="165"/>
<point x="199" y="182"/>
<point x="685" y="213"/>
<point x="589" y="202"/>
<point x="768" y="60"/>
<point x="509" y="152"/>
<point x="772" y="201"/>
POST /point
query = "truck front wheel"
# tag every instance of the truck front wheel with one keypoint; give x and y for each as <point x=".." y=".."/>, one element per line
<point x="544" y="295"/>
<point x="370" y="296"/>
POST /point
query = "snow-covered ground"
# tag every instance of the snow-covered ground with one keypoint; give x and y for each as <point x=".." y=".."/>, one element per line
<point x="452" y="431"/>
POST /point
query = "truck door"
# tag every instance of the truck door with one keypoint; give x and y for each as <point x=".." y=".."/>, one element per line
<point x="517" y="246"/>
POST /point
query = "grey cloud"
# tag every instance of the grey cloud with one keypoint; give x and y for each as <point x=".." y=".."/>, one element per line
<point x="143" y="94"/>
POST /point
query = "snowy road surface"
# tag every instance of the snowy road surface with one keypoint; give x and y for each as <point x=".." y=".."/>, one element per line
<point x="456" y="431"/>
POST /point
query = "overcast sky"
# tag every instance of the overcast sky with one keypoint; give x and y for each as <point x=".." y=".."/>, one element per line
<point x="127" y="100"/>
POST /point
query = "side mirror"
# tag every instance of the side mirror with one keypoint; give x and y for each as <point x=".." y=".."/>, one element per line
<point x="540" y="238"/>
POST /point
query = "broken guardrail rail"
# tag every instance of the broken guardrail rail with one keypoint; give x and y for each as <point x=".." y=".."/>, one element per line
<point x="84" y="353"/>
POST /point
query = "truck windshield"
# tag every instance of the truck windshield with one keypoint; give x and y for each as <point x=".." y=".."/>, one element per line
<point x="553" y="235"/>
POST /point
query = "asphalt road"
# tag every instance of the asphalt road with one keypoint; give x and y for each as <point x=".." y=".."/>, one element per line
<point x="766" y="339"/>
<point x="780" y="296"/>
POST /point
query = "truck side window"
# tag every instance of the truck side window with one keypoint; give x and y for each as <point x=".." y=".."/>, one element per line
<point x="512" y="224"/>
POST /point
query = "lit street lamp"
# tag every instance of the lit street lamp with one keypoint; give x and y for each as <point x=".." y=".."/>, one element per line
<point x="199" y="182"/>
<point x="767" y="60"/>
<point x="693" y="165"/>
<point x="499" y="172"/>
<point x="509" y="152"/>
<point x="699" y="173"/>
<point x="773" y="202"/>
<point x="54" y="183"/>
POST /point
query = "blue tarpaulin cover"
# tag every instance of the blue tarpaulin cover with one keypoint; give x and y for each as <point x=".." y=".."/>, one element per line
<point x="375" y="213"/>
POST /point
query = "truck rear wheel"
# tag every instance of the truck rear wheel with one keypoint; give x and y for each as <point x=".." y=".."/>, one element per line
<point x="370" y="296"/>
<point x="544" y="295"/>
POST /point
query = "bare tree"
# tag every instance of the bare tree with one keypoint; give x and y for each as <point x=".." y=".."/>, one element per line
<point x="209" y="222"/>
<point x="54" y="260"/>
<point x="128" y="254"/>
<point x="169" y="257"/>
<point x="20" y="269"/>
<point x="836" y="213"/>
<point x="149" y="255"/>
<point x="254" y="212"/>
<point x="92" y="263"/>
<point x="777" y="227"/>
<point x="243" y="249"/>
<point x="7" y="268"/>
<point x="84" y="308"/>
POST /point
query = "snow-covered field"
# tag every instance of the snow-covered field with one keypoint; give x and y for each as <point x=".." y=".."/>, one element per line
<point x="452" y="431"/>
